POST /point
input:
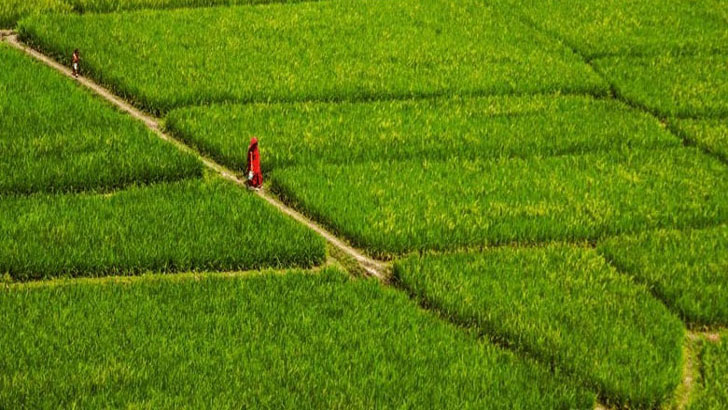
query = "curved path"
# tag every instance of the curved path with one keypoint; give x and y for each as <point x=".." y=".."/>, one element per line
<point x="371" y="266"/>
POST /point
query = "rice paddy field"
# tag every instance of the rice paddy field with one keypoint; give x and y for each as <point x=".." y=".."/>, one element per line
<point x="433" y="129"/>
<point x="56" y="138"/>
<point x="711" y="135"/>
<point x="382" y="50"/>
<point x="504" y="204"/>
<point x="523" y="297"/>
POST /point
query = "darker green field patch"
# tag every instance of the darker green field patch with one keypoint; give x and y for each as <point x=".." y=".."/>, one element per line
<point x="273" y="341"/>
<point x="55" y="137"/>
<point x="565" y="306"/>
<point x="687" y="269"/>
<point x="671" y="86"/>
<point x="190" y="225"/>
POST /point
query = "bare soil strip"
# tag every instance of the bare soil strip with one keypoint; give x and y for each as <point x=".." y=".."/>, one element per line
<point x="371" y="266"/>
<point x="691" y="367"/>
<point x="690" y="371"/>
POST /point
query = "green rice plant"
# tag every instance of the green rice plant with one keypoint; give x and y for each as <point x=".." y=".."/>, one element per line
<point x="686" y="269"/>
<point x="397" y="207"/>
<point x="332" y="50"/>
<point x="671" y="86"/>
<point x="105" y="6"/>
<point x="712" y="393"/>
<point x="13" y="10"/>
<point x="617" y="27"/>
<point x="564" y="306"/>
<point x="56" y="137"/>
<point x="438" y="128"/>
<point x="265" y="341"/>
<point x="189" y="225"/>
<point x="712" y="135"/>
<point x="720" y="7"/>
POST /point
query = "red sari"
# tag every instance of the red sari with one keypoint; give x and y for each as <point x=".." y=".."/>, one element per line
<point x="254" y="164"/>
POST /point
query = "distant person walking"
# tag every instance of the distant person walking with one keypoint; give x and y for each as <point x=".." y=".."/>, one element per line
<point x="76" y="60"/>
<point x="255" y="177"/>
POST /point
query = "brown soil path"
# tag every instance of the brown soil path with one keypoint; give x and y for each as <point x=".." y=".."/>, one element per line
<point x="371" y="266"/>
<point x="690" y="370"/>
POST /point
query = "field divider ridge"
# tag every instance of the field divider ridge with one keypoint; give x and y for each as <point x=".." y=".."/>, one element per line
<point x="692" y="365"/>
<point x="371" y="266"/>
<point x="615" y="94"/>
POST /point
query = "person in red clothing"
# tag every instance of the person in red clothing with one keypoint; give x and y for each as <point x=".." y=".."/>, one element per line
<point x="75" y="60"/>
<point x="255" y="177"/>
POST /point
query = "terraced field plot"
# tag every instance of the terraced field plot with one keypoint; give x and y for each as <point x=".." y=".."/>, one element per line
<point x="96" y="6"/>
<point x="293" y="340"/>
<point x="564" y="305"/>
<point x="685" y="87"/>
<point x="12" y="10"/>
<point x="709" y="134"/>
<point x="56" y="137"/>
<point x="330" y="50"/>
<point x="417" y="131"/>
<point x="686" y="269"/>
<point x="435" y="129"/>
<point x="188" y="225"/>
<point x="618" y="27"/>
<point x="396" y="207"/>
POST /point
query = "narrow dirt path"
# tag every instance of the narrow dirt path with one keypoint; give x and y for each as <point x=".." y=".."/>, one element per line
<point x="371" y="266"/>
<point x="690" y="370"/>
<point x="691" y="366"/>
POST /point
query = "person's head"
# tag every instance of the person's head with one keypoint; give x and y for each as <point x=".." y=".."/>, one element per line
<point x="75" y="51"/>
<point x="253" y="141"/>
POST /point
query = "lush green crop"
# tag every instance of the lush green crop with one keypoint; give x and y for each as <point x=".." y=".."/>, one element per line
<point x="709" y="134"/>
<point x="712" y="393"/>
<point x="563" y="305"/>
<point x="438" y="128"/>
<point x="719" y="7"/>
<point x="609" y="27"/>
<point x="12" y="10"/>
<point x="396" y="207"/>
<point x="688" y="86"/>
<point x="328" y="50"/>
<point x="687" y="269"/>
<point x="187" y="225"/>
<point x="267" y="341"/>
<point x="119" y="5"/>
<point x="56" y="137"/>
